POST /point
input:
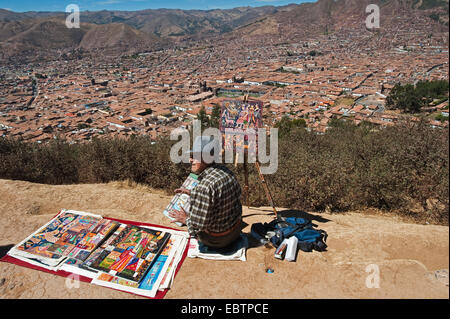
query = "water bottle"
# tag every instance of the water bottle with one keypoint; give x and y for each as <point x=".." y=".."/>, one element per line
<point x="291" y="250"/>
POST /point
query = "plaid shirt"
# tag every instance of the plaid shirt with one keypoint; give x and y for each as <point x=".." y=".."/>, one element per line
<point x="215" y="201"/>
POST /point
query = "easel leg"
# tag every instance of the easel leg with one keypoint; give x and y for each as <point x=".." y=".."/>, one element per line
<point x="266" y="189"/>
<point x="247" y="195"/>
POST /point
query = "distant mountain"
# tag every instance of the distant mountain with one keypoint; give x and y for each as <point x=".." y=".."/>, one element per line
<point x="333" y="16"/>
<point x="162" y="22"/>
<point x="29" y="39"/>
<point x="49" y="34"/>
<point x="119" y="31"/>
<point x="131" y="31"/>
<point x="117" y="37"/>
<point x="33" y="39"/>
<point x="7" y="16"/>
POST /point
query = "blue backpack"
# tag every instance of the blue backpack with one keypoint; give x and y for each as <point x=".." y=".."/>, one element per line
<point x="309" y="239"/>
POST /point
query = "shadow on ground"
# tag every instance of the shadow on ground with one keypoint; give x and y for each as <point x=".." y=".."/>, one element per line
<point x="4" y="250"/>
<point x="302" y="214"/>
<point x="293" y="213"/>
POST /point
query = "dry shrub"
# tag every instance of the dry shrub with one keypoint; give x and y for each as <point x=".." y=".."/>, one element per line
<point x="403" y="168"/>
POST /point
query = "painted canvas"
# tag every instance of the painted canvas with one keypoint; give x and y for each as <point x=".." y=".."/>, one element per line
<point x="159" y="276"/>
<point x="87" y="264"/>
<point x="64" y="236"/>
<point x="93" y="239"/>
<point x="182" y="200"/>
<point x="117" y="280"/>
<point x="156" y="273"/>
<point x="131" y="253"/>
<point x="100" y="234"/>
<point x="241" y="115"/>
<point x="236" y="118"/>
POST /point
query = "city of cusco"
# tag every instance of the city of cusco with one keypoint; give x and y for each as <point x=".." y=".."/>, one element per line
<point x="314" y="61"/>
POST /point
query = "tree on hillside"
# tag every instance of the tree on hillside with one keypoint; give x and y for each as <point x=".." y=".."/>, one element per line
<point x="209" y="121"/>
<point x="410" y="98"/>
<point x="203" y="118"/>
<point x="405" y="98"/>
<point x="215" y="116"/>
<point x="430" y="90"/>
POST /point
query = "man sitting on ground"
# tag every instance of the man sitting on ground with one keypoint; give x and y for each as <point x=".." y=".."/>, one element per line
<point x="215" y="209"/>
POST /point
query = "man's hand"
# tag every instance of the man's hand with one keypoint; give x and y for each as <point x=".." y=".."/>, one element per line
<point x="178" y="216"/>
<point x="183" y="190"/>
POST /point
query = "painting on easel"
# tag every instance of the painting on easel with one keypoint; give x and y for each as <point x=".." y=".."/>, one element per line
<point x="241" y="115"/>
<point x="237" y="117"/>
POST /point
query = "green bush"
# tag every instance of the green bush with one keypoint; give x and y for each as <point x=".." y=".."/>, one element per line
<point x="352" y="168"/>
<point x="285" y="125"/>
<point x="411" y="98"/>
<point x="347" y="168"/>
<point x="441" y="117"/>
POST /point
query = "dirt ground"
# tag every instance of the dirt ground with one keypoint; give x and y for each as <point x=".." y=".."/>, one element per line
<point x="369" y="256"/>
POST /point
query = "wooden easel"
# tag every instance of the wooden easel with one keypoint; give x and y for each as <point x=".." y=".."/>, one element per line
<point x="261" y="176"/>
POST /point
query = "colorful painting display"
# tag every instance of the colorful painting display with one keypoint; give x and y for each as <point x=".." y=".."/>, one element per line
<point x="100" y="250"/>
<point x="237" y="118"/>
<point x="241" y="115"/>
<point x="70" y="234"/>
<point x="103" y="231"/>
<point x="141" y="260"/>
<point x="159" y="276"/>
<point x="131" y="253"/>
<point x="150" y="279"/>
<point x="93" y="239"/>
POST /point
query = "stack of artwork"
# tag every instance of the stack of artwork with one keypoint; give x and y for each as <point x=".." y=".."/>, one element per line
<point x="181" y="200"/>
<point x="137" y="259"/>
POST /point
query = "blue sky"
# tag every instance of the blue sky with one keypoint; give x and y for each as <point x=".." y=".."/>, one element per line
<point x="95" y="5"/>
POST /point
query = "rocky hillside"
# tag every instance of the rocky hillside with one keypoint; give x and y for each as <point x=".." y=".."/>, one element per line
<point x="339" y="18"/>
<point x="117" y="36"/>
<point x="24" y="33"/>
